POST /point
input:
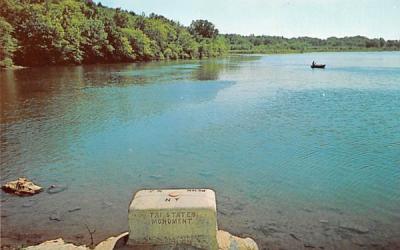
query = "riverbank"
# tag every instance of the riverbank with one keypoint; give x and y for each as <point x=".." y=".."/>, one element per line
<point x="225" y="240"/>
<point x="13" y="67"/>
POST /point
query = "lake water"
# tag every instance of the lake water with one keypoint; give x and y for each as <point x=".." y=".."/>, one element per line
<point x="298" y="157"/>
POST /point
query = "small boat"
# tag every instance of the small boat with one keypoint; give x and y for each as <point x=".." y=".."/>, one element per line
<point x="318" y="66"/>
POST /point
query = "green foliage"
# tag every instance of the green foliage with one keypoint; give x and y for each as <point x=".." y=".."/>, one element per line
<point x="190" y="48"/>
<point x="7" y="43"/>
<point x="212" y="47"/>
<point x="275" y="44"/>
<point x="203" y="28"/>
<point x="95" y="43"/>
<point x="79" y="31"/>
<point x="140" y="43"/>
<point x="40" y="36"/>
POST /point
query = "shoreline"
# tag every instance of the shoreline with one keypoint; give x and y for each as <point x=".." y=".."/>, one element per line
<point x="230" y="53"/>
<point x="14" y="67"/>
<point x="254" y="52"/>
<point x="20" y="240"/>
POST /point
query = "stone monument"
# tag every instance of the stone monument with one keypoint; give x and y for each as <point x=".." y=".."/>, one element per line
<point x="174" y="219"/>
<point x="183" y="218"/>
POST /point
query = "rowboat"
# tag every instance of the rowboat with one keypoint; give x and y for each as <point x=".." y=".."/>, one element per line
<point x="318" y="66"/>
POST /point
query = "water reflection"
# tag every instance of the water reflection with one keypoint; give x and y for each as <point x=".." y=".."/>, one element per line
<point x="38" y="92"/>
<point x="44" y="110"/>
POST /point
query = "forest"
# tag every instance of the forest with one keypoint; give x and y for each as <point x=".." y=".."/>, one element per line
<point x="47" y="32"/>
<point x="278" y="44"/>
<point x="50" y="32"/>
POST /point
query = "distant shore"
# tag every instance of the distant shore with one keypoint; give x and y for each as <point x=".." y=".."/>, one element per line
<point x="272" y="52"/>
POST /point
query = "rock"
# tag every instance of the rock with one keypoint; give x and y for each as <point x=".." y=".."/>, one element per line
<point x="54" y="189"/>
<point x="113" y="243"/>
<point x="267" y="230"/>
<point x="22" y="187"/>
<point x="59" y="244"/>
<point x="156" y="177"/>
<point x="308" y="245"/>
<point x="79" y="236"/>
<point x="205" y="174"/>
<point x="358" y="242"/>
<point x="294" y="236"/>
<point x="226" y="241"/>
<point x="354" y="228"/>
<point x="222" y="212"/>
<point x="107" y="204"/>
<point x="55" y="216"/>
<point x="74" y="209"/>
<point x="29" y="204"/>
<point x="307" y="210"/>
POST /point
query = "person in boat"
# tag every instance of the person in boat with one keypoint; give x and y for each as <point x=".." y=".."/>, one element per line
<point x="313" y="63"/>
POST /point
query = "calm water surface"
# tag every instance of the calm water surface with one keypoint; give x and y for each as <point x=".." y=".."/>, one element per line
<point x="297" y="156"/>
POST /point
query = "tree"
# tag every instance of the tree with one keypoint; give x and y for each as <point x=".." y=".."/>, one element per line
<point x="40" y="37"/>
<point x="8" y="44"/>
<point x="95" y="44"/>
<point x="203" y="29"/>
<point x="73" y="21"/>
<point x="188" y="44"/>
<point x="79" y="31"/>
<point x="140" y="43"/>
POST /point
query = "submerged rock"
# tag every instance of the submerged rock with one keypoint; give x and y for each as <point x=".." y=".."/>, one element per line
<point x="22" y="187"/>
<point x="294" y="236"/>
<point x="155" y="176"/>
<point x="29" y="204"/>
<point x="74" y="209"/>
<point x="354" y="228"/>
<point x="309" y="245"/>
<point x="54" y="189"/>
<point x="206" y="174"/>
<point x="107" y="204"/>
<point x="55" y="216"/>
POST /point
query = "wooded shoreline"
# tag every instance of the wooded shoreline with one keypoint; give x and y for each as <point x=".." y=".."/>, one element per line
<point x="65" y="32"/>
<point x="281" y="45"/>
<point x="75" y="32"/>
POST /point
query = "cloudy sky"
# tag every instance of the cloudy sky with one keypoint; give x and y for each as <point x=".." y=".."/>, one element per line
<point x="289" y="18"/>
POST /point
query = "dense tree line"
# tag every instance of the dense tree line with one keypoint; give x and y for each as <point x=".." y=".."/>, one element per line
<point x="45" y="32"/>
<point x="276" y="44"/>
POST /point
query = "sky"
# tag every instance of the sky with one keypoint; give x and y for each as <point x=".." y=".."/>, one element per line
<point x="289" y="18"/>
